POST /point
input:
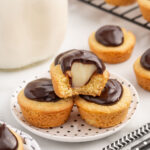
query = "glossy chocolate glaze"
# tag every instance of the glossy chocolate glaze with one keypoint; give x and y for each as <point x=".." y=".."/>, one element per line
<point x="41" y="90"/>
<point x="66" y="60"/>
<point x="110" y="95"/>
<point x="145" y="60"/>
<point x="110" y="35"/>
<point x="8" y="141"/>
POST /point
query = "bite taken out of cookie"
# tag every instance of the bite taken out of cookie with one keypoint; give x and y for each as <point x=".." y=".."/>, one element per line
<point x="77" y="72"/>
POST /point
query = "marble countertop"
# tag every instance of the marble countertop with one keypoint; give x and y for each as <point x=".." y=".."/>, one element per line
<point x="83" y="20"/>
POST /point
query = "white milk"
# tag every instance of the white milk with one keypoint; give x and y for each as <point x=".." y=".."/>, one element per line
<point x="30" y="30"/>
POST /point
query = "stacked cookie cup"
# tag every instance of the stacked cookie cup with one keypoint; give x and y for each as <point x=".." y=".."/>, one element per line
<point x="77" y="77"/>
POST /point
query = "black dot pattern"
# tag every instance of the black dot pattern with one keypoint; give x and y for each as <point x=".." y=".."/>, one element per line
<point x="75" y="126"/>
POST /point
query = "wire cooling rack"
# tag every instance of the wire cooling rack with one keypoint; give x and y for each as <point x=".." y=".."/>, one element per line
<point x="130" y="13"/>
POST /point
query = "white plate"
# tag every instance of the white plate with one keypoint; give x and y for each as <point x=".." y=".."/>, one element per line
<point x="75" y="130"/>
<point x="28" y="142"/>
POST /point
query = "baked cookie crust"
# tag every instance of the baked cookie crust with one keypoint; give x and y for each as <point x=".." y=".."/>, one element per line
<point x="20" y="142"/>
<point x="142" y="75"/>
<point x="63" y="88"/>
<point x="115" y="54"/>
<point x="45" y="114"/>
<point x="104" y="116"/>
<point x="145" y="8"/>
<point x="120" y="2"/>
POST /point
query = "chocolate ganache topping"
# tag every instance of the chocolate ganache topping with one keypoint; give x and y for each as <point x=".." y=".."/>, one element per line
<point x="66" y="60"/>
<point x="110" y="95"/>
<point x="145" y="60"/>
<point x="110" y="35"/>
<point x="41" y="90"/>
<point x="8" y="141"/>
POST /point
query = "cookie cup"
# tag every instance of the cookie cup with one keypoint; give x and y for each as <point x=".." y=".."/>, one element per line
<point x="142" y="75"/>
<point x="120" y="2"/>
<point x="63" y="88"/>
<point x="104" y="116"/>
<point x="145" y="8"/>
<point x="20" y="142"/>
<point x="45" y="114"/>
<point x="115" y="54"/>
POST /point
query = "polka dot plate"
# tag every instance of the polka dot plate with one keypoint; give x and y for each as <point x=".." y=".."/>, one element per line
<point x="28" y="142"/>
<point x="75" y="129"/>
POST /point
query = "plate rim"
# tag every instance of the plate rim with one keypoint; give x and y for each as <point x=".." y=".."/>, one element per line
<point x="79" y="139"/>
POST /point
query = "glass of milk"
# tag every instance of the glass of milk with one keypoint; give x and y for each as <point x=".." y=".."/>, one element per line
<point x="30" y="30"/>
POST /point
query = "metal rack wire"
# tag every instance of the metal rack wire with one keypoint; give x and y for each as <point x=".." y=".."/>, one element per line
<point x="122" y="12"/>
